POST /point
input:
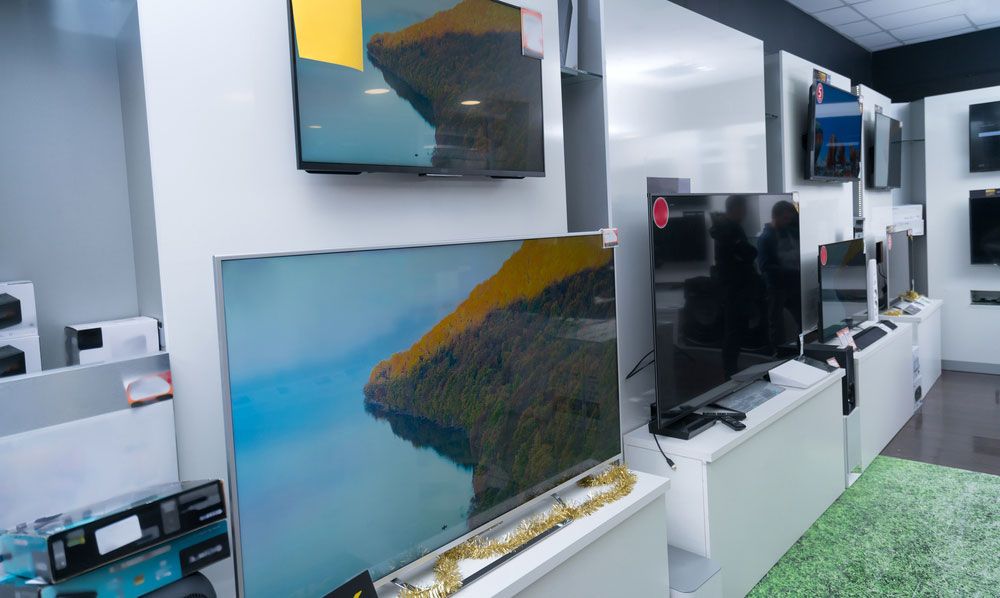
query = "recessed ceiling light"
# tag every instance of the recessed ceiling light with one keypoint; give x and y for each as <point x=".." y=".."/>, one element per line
<point x="471" y="102"/>
<point x="377" y="91"/>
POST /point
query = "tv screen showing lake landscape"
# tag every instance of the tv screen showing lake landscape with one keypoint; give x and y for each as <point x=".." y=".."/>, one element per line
<point x="385" y="403"/>
<point x="424" y="86"/>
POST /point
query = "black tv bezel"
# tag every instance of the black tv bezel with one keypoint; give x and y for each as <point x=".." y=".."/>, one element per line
<point x="686" y="408"/>
<point x="909" y="259"/>
<point x="894" y="125"/>
<point x="972" y="241"/>
<point x="972" y="167"/>
<point x="820" y="328"/>
<point x="882" y="274"/>
<point x="344" y="168"/>
<point x="810" y="153"/>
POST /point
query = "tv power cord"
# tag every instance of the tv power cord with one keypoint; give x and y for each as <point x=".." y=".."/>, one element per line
<point x="670" y="461"/>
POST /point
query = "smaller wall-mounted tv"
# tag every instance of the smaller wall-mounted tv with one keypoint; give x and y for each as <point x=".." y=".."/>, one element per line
<point x="984" y="228"/>
<point x="432" y="87"/>
<point x="885" y="161"/>
<point x="833" y="135"/>
<point x="843" y="286"/>
<point x="984" y="137"/>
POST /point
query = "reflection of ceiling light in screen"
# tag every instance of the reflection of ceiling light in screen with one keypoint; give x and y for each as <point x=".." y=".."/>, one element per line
<point x="471" y="103"/>
<point x="377" y="91"/>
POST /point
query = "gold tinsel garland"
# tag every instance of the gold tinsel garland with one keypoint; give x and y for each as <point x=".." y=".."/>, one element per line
<point x="448" y="576"/>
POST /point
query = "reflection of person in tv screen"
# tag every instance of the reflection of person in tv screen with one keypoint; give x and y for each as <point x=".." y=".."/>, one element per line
<point x="780" y="264"/>
<point x="735" y="259"/>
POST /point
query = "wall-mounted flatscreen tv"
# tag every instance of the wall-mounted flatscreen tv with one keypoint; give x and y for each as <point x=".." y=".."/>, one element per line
<point x="843" y="286"/>
<point x="727" y="292"/>
<point x="386" y="404"/>
<point x="984" y="228"/>
<point x="421" y="86"/>
<point x="833" y="134"/>
<point x="984" y="137"/>
<point x="886" y="154"/>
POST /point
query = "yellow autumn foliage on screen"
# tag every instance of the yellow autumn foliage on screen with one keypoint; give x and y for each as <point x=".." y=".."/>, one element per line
<point x="474" y="17"/>
<point x="531" y="269"/>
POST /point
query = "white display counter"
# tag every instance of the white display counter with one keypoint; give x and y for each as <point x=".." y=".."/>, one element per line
<point x="621" y="550"/>
<point x="927" y="336"/>
<point x="743" y="498"/>
<point x="884" y="389"/>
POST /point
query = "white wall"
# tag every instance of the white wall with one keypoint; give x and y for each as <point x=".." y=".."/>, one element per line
<point x="826" y="209"/>
<point x="222" y="144"/>
<point x="969" y="332"/>
<point x="64" y="205"/>
<point x="685" y="99"/>
<point x="140" y="181"/>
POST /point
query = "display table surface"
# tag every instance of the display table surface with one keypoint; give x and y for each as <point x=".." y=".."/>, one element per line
<point x="744" y="498"/>
<point x="621" y="549"/>
<point x="927" y="336"/>
<point x="883" y="375"/>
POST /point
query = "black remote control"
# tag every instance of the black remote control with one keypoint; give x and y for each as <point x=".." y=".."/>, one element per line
<point x="733" y="423"/>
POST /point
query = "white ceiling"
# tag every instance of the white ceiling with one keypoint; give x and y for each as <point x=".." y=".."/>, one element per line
<point x="881" y="24"/>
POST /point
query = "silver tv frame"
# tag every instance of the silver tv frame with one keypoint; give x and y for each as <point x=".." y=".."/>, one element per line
<point x="234" y="503"/>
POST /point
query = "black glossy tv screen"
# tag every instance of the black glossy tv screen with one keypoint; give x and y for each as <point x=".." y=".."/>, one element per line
<point x="843" y="286"/>
<point x="422" y="86"/>
<point x="887" y="154"/>
<point x="984" y="137"/>
<point x="984" y="229"/>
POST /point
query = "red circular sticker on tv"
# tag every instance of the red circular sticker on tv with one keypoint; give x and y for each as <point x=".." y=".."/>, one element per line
<point x="820" y="92"/>
<point x="661" y="212"/>
<point x="822" y="256"/>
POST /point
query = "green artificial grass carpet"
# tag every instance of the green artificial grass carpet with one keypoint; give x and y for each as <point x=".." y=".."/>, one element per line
<point x="903" y="529"/>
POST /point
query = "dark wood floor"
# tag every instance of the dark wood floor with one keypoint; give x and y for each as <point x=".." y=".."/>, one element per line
<point x="958" y="425"/>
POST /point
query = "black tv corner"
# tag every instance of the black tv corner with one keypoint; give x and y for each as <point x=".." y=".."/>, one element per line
<point x="844" y="357"/>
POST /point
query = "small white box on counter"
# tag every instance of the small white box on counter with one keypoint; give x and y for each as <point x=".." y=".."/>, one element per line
<point x="111" y="340"/>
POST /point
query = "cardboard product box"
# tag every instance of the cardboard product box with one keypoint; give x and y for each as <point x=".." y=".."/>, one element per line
<point x="112" y="340"/>
<point x="61" y="547"/>
<point x="139" y="575"/>
<point x="17" y="309"/>
<point x="20" y="355"/>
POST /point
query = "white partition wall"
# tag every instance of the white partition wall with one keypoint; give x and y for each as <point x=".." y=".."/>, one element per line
<point x="827" y="212"/>
<point x="967" y="342"/>
<point x="222" y="146"/>
<point x="685" y="99"/>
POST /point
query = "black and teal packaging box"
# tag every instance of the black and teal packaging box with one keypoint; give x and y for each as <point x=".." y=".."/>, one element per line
<point x="60" y="547"/>
<point x="137" y="575"/>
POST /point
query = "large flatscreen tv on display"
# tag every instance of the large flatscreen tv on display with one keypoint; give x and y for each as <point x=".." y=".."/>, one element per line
<point x="843" y="287"/>
<point x="423" y="86"/>
<point x="727" y="293"/>
<point x="886" y="154"/>
<point x="383" y="405"/>
<point x="833" y="135"/>
<point x="984" y="229"/>
<point x="984" y="137"/>
<point x="899" y="272"/>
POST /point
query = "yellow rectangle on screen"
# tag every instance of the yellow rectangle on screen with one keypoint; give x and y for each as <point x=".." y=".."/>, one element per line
<point x="330" y="31"/>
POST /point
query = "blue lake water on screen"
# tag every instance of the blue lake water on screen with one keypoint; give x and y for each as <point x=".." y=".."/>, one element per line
<point x="325" y="489"/>
<point x="340" y="123"/>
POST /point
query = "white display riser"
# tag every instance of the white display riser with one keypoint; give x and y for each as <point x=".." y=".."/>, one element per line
<point x="883" y="375"/>
<point x="744" y="498"/>
<point x="621" y="550"/>
<point x="927" y="336"/>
